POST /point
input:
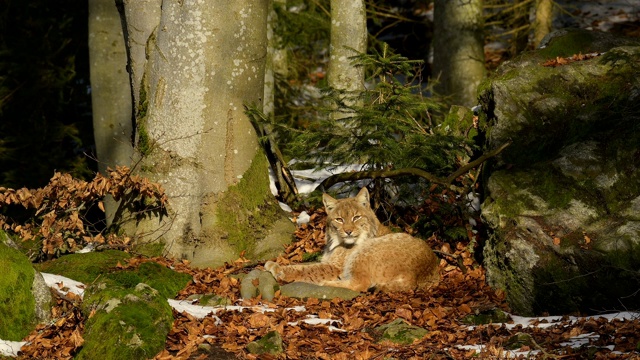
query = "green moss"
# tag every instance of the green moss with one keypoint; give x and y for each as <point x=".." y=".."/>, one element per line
<point x="132" y="316"/>
<point x="504" y="277"/>
<point x="166" y="281"/>
<point x="578" y="42"/>
<point x="135" y="329"/>
<point x="271" y="343"/>
<point x="486" y="317"/>
<point x="17" y="304"/>
<point x="247" y="210"/>
<point x="144" y="141"/>
<point x="214" y="300"/>
<point x="399" y="332"/>
<point x="150" y="249"/>
<point x="313" y="256"/>
<point x="86" y="267"/>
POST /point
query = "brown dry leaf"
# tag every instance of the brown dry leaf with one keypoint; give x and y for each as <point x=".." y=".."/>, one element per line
<point x="464" y="309"/>
<point x="404" y="313"/>
<point x="556" y="241"/>
<point x="259" y="320"/>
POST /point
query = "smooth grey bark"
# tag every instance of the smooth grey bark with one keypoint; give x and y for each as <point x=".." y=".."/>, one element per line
<point x="458" y="58"/>
<point x="203" y="62"/>
<point x="276" y="62"/>
<point x="110" y="90"/>
<point x="140" y="18"/>
<point x="348" y="38"/>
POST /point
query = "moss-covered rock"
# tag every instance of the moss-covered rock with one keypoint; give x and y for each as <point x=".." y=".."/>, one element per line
<point x="541" y="109"/>
<point x="564" y="213"/>
<point x="128" y="313"/>
<point x="85" y="267"/>
<point x="17" y="303"/>
<point x="133" y="327"/>
<point x="271" y="344"/>
<point x="128" y="316"/>
<point x="491" y="316"/>
<point x="400" y="332"/>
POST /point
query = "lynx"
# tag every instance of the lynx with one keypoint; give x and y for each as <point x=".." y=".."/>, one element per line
<point x="361" y="253"/>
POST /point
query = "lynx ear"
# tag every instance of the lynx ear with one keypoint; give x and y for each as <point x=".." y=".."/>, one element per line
<point x="329" y="202"/>
<point x="363" y="197"/>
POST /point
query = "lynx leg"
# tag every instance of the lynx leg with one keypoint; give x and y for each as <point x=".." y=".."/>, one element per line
<point x="275" y="269"/>
<point x="315" y="273"/>
<point x="355" y="284"/>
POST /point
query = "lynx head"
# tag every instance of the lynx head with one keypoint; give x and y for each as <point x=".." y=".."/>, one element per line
<point x="350" y="220"/>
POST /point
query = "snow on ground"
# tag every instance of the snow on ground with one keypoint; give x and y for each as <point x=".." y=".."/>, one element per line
<point x="551" y="321"/>
<point x="308" y="180"/>
<point x="599" y="15"/>
<point x="64" y="285"/>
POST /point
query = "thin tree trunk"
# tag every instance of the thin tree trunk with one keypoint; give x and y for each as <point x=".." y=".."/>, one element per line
<point x="544" y="18"/>
<point x="458" y="58"/>
<point x="110" y="90"/>
<point x="348" y="38"/>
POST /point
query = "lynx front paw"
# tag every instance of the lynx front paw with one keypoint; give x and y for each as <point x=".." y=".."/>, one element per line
<point x="275" y="269"/>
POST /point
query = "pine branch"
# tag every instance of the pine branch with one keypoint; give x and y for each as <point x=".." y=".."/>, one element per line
<point x="377" y="174"/>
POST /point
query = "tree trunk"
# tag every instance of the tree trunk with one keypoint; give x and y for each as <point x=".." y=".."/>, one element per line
<point x="542" y="24"/>
<point x="204" y="61"/>
<point x="458" y="58"/>
<point x="110" y="90"/>
<point x="276" y="59"/>
<point x="348" y="38"/>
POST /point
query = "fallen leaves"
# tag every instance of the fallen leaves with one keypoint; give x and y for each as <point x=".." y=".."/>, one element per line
<point x="58" y="340"/>
<point x="559" y="61"/>
<point x="346" y="329"/>
<point x="438" y="310"/>
<point x="58" y="214"/>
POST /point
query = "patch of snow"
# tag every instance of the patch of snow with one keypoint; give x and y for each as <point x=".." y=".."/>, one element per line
<point x="10" y="348"/>
<point x="308" y="180"/>
<point x="303" y="218"/>
<point x="199" y="311"/>
<point x="88" y="248"/>
<point x="315" y="320"/>
<point x="63" y="284"/>
<point x="508" y="354"/>
<point x="582" y="339"/>
<point x="285" y="207"/>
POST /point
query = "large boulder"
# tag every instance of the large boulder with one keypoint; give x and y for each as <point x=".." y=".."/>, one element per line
<point x="128" y="315"/>
<point x="25" y="299"/>
<point x="563" y="200"/>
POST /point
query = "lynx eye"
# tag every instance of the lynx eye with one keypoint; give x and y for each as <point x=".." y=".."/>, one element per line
<point x="356" y="218"/>
<point x="339" y="220"/>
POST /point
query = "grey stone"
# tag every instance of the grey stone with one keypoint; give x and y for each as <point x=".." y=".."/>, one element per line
<point x="562" y="200"/>
<point x="271" y="343"/>
<point x="302" y="290"/>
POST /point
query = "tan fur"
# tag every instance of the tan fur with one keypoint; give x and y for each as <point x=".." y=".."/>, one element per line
<point x="349" y="221"/>
<point x="393" y="262"/>
<point x="361" y="253"/>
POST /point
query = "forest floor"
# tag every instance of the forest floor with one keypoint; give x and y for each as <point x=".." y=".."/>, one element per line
<point x="348" y="329"/>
